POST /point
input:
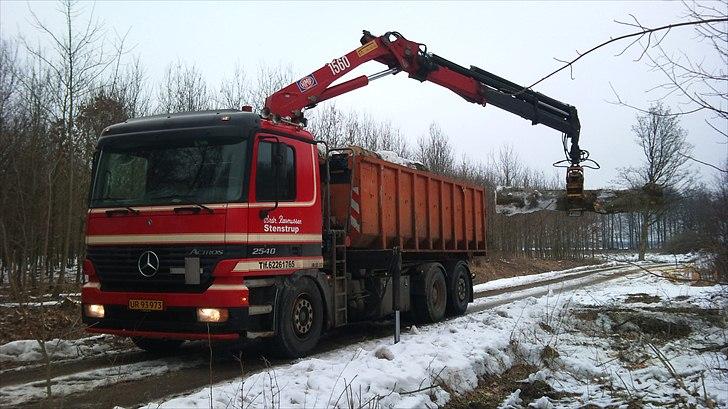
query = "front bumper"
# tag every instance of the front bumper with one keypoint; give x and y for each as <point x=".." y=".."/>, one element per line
<point x="178" y="320"/>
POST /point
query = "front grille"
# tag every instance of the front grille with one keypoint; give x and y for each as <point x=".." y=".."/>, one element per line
<point x="117" y="266"/>
<point x="172" y="319"/>
<point x="173" y="314"/>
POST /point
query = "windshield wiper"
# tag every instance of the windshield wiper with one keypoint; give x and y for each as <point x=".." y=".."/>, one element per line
<point x="193" y="205"/>
<point x="196" y="207"/>
<point x="122" y="210"/>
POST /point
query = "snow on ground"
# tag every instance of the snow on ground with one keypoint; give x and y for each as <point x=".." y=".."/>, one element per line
<point x="646" y="341"/>
<point x="45" y="300"/>
<point x="16" y="395"/>
<point x="535" y="278"/>
<point x="38" y="303"/>
<point x="656" y="257"/>
<point x="591" y="359"/>
<point x="29" y="350"/>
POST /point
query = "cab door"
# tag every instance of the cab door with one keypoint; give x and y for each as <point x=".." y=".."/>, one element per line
<point x="285" y="207"/>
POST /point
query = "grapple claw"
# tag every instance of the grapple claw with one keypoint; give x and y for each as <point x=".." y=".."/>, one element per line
<point x="575" y="189"/>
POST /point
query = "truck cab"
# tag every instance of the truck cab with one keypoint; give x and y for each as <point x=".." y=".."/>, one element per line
<point x="185" y="211"/>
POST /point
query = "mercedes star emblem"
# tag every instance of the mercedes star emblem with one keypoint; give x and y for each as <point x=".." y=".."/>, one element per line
<point x="148" y="263"/>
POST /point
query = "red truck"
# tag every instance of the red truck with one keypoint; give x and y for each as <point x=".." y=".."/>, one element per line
<point x="221" y="225"/>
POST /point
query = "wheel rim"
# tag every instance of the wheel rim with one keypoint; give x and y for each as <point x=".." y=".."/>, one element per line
<point x="302" y="316"/>
<point x="438" y="292"/>
<point x="462" y="291"/>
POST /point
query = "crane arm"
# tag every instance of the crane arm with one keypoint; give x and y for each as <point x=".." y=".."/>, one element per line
<point x="473" y="84"/>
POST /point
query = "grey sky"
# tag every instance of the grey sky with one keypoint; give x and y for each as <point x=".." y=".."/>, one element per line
<point x="517" y="41"/>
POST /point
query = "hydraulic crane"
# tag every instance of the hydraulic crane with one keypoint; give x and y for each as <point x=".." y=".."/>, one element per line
<point x="473" y="84"/>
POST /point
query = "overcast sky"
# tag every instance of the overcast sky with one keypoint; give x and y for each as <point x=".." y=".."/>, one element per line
<point x="515" y="40"/>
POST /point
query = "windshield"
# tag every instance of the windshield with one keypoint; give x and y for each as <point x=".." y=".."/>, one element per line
<point x="170" y="169"/>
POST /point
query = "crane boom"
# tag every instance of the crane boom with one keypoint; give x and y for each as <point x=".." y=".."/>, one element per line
<point x="473" y="84"/>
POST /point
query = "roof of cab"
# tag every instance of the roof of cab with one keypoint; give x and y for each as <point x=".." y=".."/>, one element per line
<point x="223" y="117"/>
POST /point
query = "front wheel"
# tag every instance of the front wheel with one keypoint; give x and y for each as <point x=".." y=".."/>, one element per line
<point x="301" y="319"/>
<point x="157" y="346"/>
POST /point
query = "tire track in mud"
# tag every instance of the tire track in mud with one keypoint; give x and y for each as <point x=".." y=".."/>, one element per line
<point x="199" y="365"/>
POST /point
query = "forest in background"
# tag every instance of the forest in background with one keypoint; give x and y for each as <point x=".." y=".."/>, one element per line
<point x="56" y="100"/>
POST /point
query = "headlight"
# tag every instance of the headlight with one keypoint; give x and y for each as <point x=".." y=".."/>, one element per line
<point x="212" y="314"/>
<point x="94" y="310"/>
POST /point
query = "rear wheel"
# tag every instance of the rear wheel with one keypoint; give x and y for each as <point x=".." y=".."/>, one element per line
<point x="157" y="346"/>
<point x="430" y="297"/>
<point x="300" y="320"/>
<point x="458" y="288"/>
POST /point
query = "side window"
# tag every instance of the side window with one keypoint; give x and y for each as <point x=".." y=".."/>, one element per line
<point x="275" y="177"/>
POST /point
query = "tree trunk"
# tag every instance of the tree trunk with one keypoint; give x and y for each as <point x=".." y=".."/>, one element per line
<point x="644" y="234"/>
<point x="71" y="146"/>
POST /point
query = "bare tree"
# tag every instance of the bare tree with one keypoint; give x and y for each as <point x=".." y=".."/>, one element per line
<point x="340" y="129"/>
<point x="8" y="116"/>
<point x="700" y="84"/>
<point x="720" y="224"/>
<point x="8" y="78"/>
<point x="77" y="62"/>
<point x="183" y="89"/>
<point x="269" y="80"/>
<point x="234" y="92"/>
<point x="665" y="148"/>
<point x="703" y="85"/>
<point x="435" y="151"/>
<point x="507" y="165"/>
<point x="131" y="91"/>
<point x="327" y="123"/>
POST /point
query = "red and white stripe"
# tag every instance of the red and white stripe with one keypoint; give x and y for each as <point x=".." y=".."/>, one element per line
<point x="355" y="215"/>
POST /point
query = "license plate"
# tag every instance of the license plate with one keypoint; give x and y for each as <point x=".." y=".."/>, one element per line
<point x="146" y="305"/>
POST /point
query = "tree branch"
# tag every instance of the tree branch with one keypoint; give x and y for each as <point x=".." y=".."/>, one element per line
<point x="641" y="33"/>
<point x="703" y="163"/>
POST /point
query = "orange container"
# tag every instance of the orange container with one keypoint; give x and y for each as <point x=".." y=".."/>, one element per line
<point x="388" y="205"/>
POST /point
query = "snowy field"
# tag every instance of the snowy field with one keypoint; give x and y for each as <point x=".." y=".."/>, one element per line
<point x="639" y="338"/>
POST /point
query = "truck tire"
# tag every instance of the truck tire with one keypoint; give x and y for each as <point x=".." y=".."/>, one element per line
<point x="157" y="346"/>
<point x="459" y="288"/>
<point x="300" y="319"/>
<point x="430" y="297"/>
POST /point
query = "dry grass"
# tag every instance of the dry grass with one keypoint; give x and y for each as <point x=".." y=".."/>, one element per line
<point x="493" y="389"/>
<point x="56" y="320"/>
